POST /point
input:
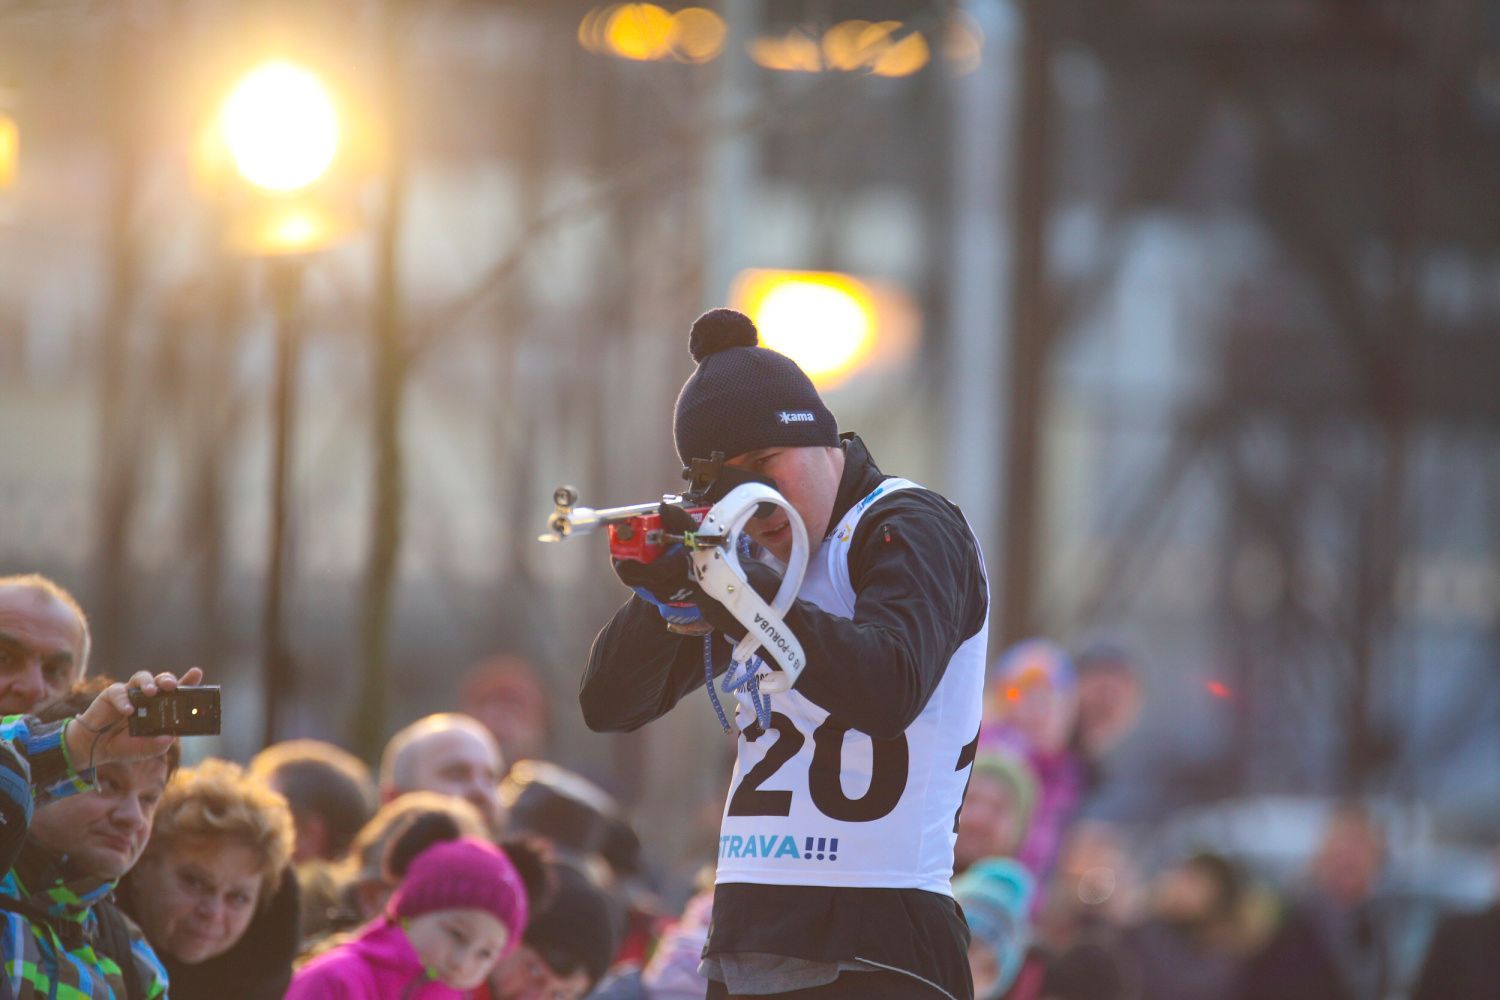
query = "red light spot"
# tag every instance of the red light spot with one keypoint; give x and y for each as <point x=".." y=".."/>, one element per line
<point x="1217" y="690"/>
<point x="1012" y="694"/>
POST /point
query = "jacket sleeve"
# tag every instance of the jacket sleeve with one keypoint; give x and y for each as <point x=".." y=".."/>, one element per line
<point x="637" y="670"/>
<point x="148" y="965"/>
<point x="32" y="755"/>
<point x="920" y="592"/>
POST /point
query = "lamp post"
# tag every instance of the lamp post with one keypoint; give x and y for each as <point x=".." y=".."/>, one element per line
<point x="282" y="133"/>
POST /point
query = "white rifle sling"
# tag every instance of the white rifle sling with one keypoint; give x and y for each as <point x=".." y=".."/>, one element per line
<point x="719" y="574"/>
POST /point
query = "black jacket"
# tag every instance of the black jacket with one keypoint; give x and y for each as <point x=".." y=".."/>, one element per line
<point x="920" y="594"/>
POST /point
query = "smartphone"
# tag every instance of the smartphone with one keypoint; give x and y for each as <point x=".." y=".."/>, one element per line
<point x="187" y="711"/>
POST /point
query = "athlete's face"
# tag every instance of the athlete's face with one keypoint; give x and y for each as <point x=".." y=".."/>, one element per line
<point x="808" y="478"/>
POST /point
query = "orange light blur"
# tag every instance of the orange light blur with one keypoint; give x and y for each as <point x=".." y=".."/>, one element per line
<point x="698" y="34"/>
<point x="833" y="325"/>
<point x="591" y="29"/>
<point x="900" y="58"/>
<point x="640" y="31"/>
<point x="10" y="151"/>
<point x="963" y="43"/>
<point x="793" y="52"/>
<point x="846" y="45"/>
<point x="822" y="320"/>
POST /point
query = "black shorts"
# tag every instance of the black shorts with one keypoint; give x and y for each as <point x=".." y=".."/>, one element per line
<point x="848" y="986"/>
<point x="919" y="935"/>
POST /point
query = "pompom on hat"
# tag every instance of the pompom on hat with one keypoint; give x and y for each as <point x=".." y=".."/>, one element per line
<point x="464" y="874"/>
<point x="743" y="397"/>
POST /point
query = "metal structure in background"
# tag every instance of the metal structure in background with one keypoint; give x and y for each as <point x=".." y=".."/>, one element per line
<point x="1373" y="134"/>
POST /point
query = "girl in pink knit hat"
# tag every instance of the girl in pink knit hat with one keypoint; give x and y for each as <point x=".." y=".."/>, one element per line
<point x="461" y="906"/>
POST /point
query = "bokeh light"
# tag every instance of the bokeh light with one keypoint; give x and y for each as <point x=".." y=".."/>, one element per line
<point x="273" y="228"/>
<point x="794" y="52"/>
<point x="281" y="127"/>
<point x="591" y="29"/>
<point x="963" y="43"/>
<point x="844" y="45"/>
<point x="699" y="34"/>
<point x="824" y="321"/>
<point x="10" y="150"/>
<point x="902" y="57"/>
<point x="640" y="31"/>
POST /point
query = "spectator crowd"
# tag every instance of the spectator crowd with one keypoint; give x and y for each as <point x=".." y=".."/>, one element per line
<point x="468" y="865"/>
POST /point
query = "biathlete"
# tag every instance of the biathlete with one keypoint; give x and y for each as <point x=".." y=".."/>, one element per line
<point x="836" y="848"/>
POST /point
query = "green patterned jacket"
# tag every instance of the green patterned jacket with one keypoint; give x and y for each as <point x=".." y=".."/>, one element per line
<point x="54" y="951"/>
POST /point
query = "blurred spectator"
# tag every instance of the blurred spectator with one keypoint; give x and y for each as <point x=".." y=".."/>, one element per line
<point x="1032" y="707"/>
<point x="461" y="905"/>
<point x="1463" y="961"/>
<point x="448" y="753"/>
<point x="507" y="696"/>
<point x="672" y="973"/>
<point x="997" y="807"/>
<point x="214" y="892"/>
<point x="581" y="822"/>
<point x="1188" y="947"/>
<point x="1109" y="698"/>
<point x="1331" y="943"/>
<point x="1095" y="894"/>
<point x="562" y="807"/>
<point x="567" y="946"/>
<point x="44" y="642"/>
<point x="62" y="936"/>
<point x="357" y="889"/>
<point x="329" y="790"/>
<point x="995" y="894"/>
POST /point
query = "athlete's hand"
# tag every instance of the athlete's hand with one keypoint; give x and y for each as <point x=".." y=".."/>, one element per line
<point x="766" y="582"/>
<point x="101" y="734"/>
<point x="668" y="579"/>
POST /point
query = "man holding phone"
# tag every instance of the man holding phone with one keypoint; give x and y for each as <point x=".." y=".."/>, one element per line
<point x="77" y="795"/>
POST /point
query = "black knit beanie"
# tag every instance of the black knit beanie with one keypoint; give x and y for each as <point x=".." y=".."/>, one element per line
<point x="743" y="396"/>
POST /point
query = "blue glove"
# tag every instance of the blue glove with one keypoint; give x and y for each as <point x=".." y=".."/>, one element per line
<point x="668" y="581"/>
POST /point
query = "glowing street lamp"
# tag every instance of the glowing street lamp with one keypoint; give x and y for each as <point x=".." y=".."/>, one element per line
<point x="281" y="131"/>
<point x="281" y="127"/>
<point x="833" y="325"/>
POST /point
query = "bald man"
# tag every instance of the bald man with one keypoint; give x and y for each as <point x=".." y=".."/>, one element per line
<point x="448" y="753"/>
<point x="44" y="642"/>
